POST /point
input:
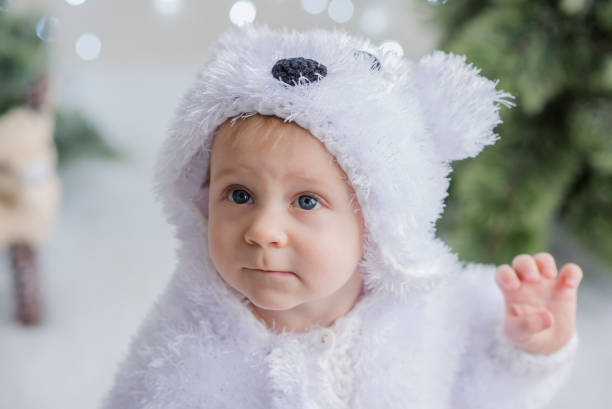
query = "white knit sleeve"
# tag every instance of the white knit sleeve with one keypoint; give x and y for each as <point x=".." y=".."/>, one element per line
<point x="494" y="374"/>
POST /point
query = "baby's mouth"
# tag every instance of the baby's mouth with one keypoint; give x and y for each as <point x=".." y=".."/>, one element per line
<point x="271" y="271"/>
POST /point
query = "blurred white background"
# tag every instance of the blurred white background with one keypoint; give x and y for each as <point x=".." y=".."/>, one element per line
<point x="111" y="252"/>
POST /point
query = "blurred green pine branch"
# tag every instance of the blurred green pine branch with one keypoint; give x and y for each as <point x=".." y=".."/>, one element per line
<point x="75" y="137"/>
<point x="23" y="58"/>
<point x="554" y="159"/>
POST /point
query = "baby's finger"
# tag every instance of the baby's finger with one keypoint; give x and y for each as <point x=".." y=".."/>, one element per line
<point x="546" y="264"/>
<point x="570" y="276"/>
<point x="506" y="278"/>
<point x="521" y="328"/>
<point x="526" y="268"/>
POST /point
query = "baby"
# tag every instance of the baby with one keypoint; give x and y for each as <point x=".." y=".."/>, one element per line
<point x="304" y="174"/>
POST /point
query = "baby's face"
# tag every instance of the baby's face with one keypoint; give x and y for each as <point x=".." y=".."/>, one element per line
<point x="282" y="203"/>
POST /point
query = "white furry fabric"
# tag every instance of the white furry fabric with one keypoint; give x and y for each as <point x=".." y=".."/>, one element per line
<point x="426" y="333"/>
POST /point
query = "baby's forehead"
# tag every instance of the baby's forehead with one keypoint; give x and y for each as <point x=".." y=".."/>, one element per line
<point x="267" y="135"/>
<point x="259" y="130"/>
<point x="249" y="144"/>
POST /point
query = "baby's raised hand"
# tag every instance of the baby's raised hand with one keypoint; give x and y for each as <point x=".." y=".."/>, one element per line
<point x="540" y="307"/>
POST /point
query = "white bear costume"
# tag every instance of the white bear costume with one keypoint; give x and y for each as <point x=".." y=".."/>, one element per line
<point x="428" y="331"/>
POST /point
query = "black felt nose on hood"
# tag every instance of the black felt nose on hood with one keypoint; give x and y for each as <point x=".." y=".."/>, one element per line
<point x="290" y="70"/>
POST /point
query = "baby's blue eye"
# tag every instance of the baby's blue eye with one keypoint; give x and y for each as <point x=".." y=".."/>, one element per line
<point x="240" y="196"/>
<point x="307" y="202"/>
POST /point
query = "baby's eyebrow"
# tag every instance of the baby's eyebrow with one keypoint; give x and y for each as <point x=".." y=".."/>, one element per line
<point x="305" y="178"/>
<point x="232" y="171"/>
<point x="225" y="172"/>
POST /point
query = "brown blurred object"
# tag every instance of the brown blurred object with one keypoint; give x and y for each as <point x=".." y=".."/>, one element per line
<point x="26" y="284"/>
<point x="29" y="193"/>
<point x="36" y="97"/>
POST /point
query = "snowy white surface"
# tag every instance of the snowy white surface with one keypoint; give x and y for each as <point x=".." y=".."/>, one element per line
<point x="111" y="254"/>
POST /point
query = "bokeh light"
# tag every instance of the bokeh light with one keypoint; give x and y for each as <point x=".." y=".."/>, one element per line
<point x="167" y="7"/>
<point x="88" y="46"/>
<point x="374" y="20"/>
<point x="314" y="6"/>
<point x="340" y="11"/>
<point x="393" y="46"/>
<point x="75" y="2"/>
<point x="242" y="12"/>
<point x="47" y="28"/>
<point x="572" y="7"/>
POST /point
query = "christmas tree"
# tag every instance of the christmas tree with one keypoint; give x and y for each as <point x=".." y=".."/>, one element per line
<point x="553" y="163"/>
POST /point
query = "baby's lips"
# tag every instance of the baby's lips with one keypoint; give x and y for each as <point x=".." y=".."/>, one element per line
<point x="270" y="271"/>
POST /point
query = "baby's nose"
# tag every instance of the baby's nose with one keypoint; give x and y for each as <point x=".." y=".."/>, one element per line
<point x="291" y="70"/>
<point x="264" y="232"/>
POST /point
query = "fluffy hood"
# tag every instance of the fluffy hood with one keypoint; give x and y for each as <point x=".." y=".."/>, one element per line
<point x="393" y="125"/>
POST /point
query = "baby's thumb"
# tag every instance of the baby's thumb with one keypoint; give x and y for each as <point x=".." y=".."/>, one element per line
<point x="522" y="327"/>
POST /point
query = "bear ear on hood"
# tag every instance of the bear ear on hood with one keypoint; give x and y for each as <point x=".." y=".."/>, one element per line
<point x="461" y="107"/>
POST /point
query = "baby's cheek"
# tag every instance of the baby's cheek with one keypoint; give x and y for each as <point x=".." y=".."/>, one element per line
<point x="218" y="248"/>
<point x="332" y="259"/>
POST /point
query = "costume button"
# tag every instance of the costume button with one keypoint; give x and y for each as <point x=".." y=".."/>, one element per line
<point x="327" y="338"/>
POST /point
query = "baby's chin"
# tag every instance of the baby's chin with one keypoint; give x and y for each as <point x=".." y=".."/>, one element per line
<point x="271" y="303"/>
